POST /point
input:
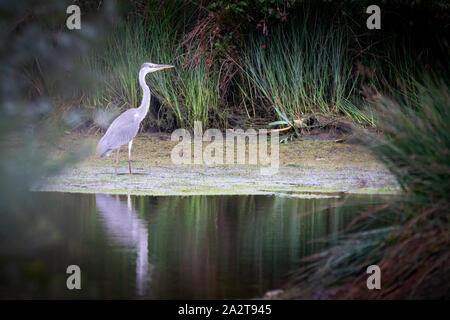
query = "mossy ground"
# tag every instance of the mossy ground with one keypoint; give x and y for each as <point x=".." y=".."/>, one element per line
<point x="320" y="166"/>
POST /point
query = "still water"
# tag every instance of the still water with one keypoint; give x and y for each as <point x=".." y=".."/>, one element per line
<point x="174" y="247"/>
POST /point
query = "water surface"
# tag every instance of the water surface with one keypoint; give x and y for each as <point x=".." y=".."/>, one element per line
<point x="191" y="247"/>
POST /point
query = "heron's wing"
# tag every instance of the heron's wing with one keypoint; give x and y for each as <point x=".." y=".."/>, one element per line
<point x="121" y="131"/>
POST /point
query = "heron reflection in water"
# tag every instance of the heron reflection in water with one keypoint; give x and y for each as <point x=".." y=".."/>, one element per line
<point x="125" y="228"/>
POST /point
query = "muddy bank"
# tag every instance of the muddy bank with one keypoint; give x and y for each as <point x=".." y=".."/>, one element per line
<point x="312" y="166"/>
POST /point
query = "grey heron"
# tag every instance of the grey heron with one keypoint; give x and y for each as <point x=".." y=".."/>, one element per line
<point x="126" y="126"/>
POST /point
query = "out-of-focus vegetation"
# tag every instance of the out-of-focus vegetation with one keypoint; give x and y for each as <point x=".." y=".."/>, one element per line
<point x="413" y="252"/>
<point x="36" y="68"/>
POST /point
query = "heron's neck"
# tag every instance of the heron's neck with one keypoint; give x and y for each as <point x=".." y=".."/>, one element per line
<point x="145" y="104"/>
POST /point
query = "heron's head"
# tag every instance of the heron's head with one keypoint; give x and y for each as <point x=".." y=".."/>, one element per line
<point x="151" y="67"/>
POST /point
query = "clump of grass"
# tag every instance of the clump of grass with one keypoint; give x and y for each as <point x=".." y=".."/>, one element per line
<point x="199" y="93"/>
<point x="413" y="253"/>
<point x="416" y="144"/>
<point x="303" y="68"/>
<point x="186" y="93"/>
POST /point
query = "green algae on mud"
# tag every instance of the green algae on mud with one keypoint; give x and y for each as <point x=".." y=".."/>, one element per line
<point x="305" y="167"/>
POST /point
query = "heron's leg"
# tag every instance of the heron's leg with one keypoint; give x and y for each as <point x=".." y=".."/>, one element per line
<point x="117" y="160"/>
<point x="129" y="155"/>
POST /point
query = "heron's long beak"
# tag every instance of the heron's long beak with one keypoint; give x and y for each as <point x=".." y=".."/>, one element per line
<point x="164" y="66"/>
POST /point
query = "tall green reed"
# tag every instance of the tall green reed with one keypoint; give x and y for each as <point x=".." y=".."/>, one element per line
<point x="304" y="68"/>
<point x="188" y="93"/>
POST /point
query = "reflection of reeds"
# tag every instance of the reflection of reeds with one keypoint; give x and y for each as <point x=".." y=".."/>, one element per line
<point x="413" y="253"/>
<point x="238" y="246"/>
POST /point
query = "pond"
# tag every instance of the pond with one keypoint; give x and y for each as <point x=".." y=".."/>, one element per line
<point x="174" y="247"/>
